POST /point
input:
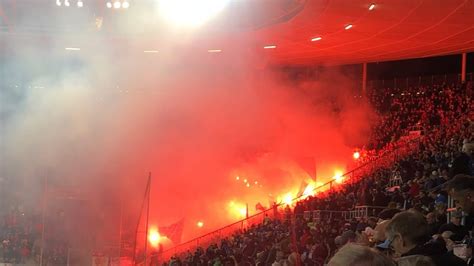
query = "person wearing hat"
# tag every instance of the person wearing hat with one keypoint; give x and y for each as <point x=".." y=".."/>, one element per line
<point x="459" y="231"/>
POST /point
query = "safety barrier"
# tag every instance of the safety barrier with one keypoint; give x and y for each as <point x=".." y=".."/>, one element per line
<point x="358" y="212"/>
<point x="418" y="81"/>
<point x="386" y="158"/>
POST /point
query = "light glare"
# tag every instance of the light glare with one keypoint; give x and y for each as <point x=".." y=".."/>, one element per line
<point x="372" y="6"/>
<point x="109" y="5"/>
<point x="237" y="210"/>
<point x="190" y="13"/>
<point x="316" y="39"/>
<point x="288" y="199"/>
<point x="269" y="47"/>
<point x="125" y="4"/>
<point x="309" y="190"/>
<point x="150" y="51"/>
<point x="117" y="4"/>
<point x="80" y="3"/>
<point x="72" y="48"/>
<point x="356" y="155"/>
<point x="214" y="51"/>
<point x="338" y="177"/>
<point x="348" y="26"/>
<point x="154" y="237"/>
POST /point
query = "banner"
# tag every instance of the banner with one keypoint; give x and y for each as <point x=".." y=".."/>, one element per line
<point x="173" y="231"/>
<point x="308" y="164"/>
<point x="259" y="207"/>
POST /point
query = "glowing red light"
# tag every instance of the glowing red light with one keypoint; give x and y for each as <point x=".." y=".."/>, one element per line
<point x="154" y="237"/>
<point x="356" y="155"/>
<point x="338" y="176"/>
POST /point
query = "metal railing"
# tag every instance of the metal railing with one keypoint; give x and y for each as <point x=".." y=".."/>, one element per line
<point x="385" y="159"/>
<point x="358" y="212"/>
<point x="417" y="81"/>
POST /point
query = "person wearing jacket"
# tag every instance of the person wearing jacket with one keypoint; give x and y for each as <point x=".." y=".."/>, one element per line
<point x="408" y="234"/>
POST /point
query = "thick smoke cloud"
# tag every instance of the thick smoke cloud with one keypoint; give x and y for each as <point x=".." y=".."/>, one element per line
<point x="99" y="122"/>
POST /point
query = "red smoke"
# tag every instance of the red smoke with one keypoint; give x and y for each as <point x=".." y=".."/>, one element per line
<point x="195" y="126"/>
<point x="196" y="130"/>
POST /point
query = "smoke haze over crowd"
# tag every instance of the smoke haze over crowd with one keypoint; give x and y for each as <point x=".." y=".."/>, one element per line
<point x="101" y="121"/>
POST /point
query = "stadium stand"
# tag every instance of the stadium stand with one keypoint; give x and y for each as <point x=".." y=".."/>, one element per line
<point x="438" y="119"/>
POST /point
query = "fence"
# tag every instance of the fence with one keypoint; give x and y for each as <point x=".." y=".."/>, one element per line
<point x="358" y="212"/>
<point x="407" y="82"/>
<point x="215" y="236"/>
<point x="384" y="159"/>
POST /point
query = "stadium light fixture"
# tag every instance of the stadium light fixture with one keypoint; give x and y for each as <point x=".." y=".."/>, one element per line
<point x="117" y="4"/>
<point x="109" y="4"/>
<point x="80" y="3"/>
<point x="58" y="2"/>
<point x="125" y="4"/>
<point x="190" y="13"/>
<point x="66" y="3"/>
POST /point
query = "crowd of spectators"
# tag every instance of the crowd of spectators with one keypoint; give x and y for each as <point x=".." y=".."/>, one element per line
<point x="16" y="235"/>
<point x="414" y="224"/>
<point x="20" y="233"/>
<point x="425" y="107"/>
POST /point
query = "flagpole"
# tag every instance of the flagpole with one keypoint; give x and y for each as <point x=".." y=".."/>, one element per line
<point x="147" y="217"/>
<point x="139" y="219"/>
<point x="120" y="227"/>
<point x="43" y="214"/>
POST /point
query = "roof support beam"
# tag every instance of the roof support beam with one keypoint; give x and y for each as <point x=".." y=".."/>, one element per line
<point x="463" y="68"/>
<point x="364" y="79"/>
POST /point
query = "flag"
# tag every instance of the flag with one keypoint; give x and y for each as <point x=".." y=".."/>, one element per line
<point x="308" y="164"/>
<point x="259" y="207"/>
<point x="173" y="231"/>
<point x="303" y="186"/>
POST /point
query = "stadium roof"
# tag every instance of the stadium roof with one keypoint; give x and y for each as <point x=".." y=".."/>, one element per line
<point x="392" y="30"/>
